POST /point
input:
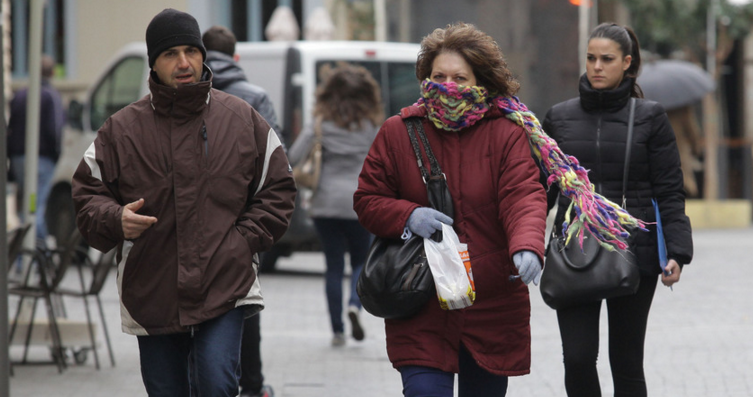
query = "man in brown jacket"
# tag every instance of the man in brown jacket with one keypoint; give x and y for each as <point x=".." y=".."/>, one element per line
<point x="188" y="184"/>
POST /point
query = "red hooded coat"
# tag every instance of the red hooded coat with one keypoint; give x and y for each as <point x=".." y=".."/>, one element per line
<point x="500" y="209"/>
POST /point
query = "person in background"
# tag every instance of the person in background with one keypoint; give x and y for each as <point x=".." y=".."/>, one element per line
<point x="188" y="184"/>
<point x="348" y="110"/>
<point x="52" y="120"/>
<point x="229" y="77"/>
<point x="689" y="138"/>
<point x="500" y="212"/>
<point x="593" y="128"/>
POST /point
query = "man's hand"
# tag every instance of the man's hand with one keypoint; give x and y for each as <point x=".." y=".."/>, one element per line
<point x="133" y="223"/>
<point x="672" y="275"/>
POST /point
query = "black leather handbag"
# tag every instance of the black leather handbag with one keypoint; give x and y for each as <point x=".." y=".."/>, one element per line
<point x="572" y="276"/>
<point x="395" y="281"/>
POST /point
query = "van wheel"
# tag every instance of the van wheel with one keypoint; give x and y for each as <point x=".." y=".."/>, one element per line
<point x="60" y="214"/>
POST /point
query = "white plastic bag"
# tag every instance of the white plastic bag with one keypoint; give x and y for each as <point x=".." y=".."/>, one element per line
<point x="453" y="278"/>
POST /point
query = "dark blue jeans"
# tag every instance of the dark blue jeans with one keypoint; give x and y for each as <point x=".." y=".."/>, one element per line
<point x="206" y="363"/>
<point x="472" y="380"/>
<point x="339" y="236"/>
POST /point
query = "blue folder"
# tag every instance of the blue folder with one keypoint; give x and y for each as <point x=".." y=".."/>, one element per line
<point x="662" y="245"/>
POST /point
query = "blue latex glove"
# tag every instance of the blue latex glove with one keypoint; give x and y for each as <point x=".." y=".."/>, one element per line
<point x="424" y="221"/>
<point x="528" y="265"/>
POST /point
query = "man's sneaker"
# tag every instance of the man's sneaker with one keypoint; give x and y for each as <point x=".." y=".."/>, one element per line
<point x="358" y="333"/>
<point x="338" y="339"/>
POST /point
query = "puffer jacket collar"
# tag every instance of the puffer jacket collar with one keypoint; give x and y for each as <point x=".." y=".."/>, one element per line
<point x="183" y="101"/>
<point x="593" y="100"/>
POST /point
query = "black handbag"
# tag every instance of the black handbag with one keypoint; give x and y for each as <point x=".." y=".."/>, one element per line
<point x="395" y="281"/>
<point x="572" y="276"/>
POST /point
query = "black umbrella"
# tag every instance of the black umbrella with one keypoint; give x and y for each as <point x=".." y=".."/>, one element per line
<point x="674" y="83"/>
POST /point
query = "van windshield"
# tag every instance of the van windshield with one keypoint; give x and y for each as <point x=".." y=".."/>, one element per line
<point x="397" y="80"/>
<point x="120" y="87"/>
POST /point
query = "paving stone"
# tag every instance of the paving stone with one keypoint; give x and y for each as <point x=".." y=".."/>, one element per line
<point x="698" y="341"/>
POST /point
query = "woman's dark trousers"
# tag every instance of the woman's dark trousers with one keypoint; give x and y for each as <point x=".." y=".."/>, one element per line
<point x="579" y="328"/>
<point x="339" y="236"/>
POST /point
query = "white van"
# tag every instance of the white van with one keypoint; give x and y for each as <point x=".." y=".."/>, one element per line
<point x="288" y="71"/>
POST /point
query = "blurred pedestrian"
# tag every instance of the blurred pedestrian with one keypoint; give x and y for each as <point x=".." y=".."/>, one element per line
<point x="229" y="77"/>
<point x="189" y="183"/>
<point x="348" y="110"/>
<point x="52" y="120"/>
<point x="593" y="128"/>
<point x="689" y="143"/>
<point x="467" y="93"/>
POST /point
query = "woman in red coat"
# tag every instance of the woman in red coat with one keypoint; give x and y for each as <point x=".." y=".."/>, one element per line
<point x="500" y="211"/>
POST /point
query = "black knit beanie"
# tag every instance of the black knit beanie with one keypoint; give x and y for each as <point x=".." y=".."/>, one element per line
<point x="171" y="28"/>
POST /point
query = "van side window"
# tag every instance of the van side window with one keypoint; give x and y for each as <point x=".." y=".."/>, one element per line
<point x="397" y="81"/>
<point x="119" y="88"/>
<point x="402" y="89"/>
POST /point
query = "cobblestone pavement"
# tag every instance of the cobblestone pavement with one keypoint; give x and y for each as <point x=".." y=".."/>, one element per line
<point x="699" y="338"/>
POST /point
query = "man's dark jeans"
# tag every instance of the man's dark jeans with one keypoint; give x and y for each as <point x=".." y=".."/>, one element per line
<point x="252" y="379"/>
<point x="207" y="361"/>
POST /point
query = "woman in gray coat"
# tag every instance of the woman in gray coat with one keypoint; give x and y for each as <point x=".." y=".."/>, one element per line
<point x="348" y="111"/>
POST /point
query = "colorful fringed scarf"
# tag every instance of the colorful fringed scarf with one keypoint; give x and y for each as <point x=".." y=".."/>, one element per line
<point x="452" y="107"/>
<point x="603" y="219"/>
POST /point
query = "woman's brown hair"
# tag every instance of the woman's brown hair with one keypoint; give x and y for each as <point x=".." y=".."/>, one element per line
<point x="477" y="48"/>
<point x="347" y="95"/>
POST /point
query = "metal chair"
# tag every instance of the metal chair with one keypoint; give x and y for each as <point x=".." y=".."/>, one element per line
<point x="16" y="239"/>
<point x="100" y="270"/>
<point x="51" y="266"/>
<point x="15" y="245"/>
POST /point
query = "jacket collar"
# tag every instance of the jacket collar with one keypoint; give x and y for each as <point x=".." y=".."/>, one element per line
<point x="183" y="101"/>
<point x="225" y="70"/>
<point x="604" y="100"/>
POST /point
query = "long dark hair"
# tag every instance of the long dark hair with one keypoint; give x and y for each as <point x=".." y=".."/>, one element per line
<point x="628" y="42"/>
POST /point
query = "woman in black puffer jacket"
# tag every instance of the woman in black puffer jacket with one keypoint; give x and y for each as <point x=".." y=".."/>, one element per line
<point x="593" y="128"/>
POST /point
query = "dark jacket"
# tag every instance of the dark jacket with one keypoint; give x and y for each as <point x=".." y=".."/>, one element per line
<point x="593" y="128"/>
<point x="499" y="209"/>
<point x="51" y="118"/>
<point x="218" y="183"/>
<point x="229" y="77"/>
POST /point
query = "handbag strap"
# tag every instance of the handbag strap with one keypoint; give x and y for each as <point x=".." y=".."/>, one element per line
<point x="628" y="148"/>
<point x="435" y="169"/>
<point x="415" y="127"/>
